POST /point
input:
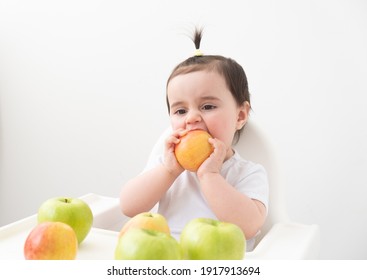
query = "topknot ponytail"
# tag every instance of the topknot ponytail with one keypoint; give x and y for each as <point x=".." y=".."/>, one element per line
<point x="198" y="34"/>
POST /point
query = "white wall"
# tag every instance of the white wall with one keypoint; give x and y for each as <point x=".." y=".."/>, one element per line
<point x="82" y="86"/>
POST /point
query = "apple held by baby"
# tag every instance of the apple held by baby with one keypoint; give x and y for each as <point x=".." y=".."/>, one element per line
<point x="193" y="149"/>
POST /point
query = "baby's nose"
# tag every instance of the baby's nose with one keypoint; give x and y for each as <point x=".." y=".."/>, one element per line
<point x="193" y="117"/>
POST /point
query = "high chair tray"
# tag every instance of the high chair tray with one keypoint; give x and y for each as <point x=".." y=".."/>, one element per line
<point x="99" y="244"/>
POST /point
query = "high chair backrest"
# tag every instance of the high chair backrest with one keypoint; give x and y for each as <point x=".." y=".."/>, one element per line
<point x="255" y="146"/>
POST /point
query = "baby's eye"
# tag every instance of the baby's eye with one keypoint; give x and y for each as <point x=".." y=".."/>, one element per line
<point x="209" y="107"/>
<point x="180" y="111"/>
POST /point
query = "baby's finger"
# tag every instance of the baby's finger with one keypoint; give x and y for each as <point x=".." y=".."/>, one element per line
<point x="172" y="140"/>
<point x="179" y="132"/>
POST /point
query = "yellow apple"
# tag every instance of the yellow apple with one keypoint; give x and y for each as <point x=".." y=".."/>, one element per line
<point x="193" y="149"/>
<point x="147" y="220"/>
<point x="51" y="241"/>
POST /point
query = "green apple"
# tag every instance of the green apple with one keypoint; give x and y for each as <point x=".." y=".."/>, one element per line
<point x="146" y="244"/>
<point x="209" y="239"/>
<point x="51" y="241"/>
<point x="72" y="211"/>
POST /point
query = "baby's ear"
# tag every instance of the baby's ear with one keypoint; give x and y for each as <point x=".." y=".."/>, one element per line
<point x="243" y="114"/>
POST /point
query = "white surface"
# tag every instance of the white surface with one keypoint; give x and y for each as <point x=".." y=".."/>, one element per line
<point x="82" y="87"/>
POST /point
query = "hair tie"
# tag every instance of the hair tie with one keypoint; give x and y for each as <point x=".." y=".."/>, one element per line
<point x="198" y="53"/>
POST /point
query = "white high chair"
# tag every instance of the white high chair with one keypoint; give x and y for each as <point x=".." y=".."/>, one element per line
<point x="279" y="238"/>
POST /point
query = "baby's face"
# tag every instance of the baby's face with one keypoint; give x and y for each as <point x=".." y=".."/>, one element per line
<point x="202" y="100"/>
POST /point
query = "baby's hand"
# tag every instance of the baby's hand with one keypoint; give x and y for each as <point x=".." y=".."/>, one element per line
<point x="170" y="161"/>
<point x="214" y="162"/>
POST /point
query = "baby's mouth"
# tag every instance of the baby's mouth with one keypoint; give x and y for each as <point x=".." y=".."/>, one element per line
<point x="196" y="128"/>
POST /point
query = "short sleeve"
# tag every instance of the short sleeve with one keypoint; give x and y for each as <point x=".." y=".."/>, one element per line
<point x="248" y="178"/>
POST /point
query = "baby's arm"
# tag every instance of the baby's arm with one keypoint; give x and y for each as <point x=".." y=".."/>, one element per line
<point x="141" y="193"/>
<point x="226" y="202"/>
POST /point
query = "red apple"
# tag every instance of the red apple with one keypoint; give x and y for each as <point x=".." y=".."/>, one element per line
<point x="51" y="241"/>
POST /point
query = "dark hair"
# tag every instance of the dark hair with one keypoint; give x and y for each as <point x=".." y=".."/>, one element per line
<point x="232" y="72"/>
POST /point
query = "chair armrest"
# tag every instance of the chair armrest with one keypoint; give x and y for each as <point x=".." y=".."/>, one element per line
<point x="287" y="241"/>
<point x="106" y="212"/>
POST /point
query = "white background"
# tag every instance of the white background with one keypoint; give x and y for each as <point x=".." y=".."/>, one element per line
<point x="82" y="98"/>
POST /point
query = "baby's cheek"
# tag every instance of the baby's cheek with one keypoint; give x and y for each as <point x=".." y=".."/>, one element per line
<point x="177" y="125"/>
